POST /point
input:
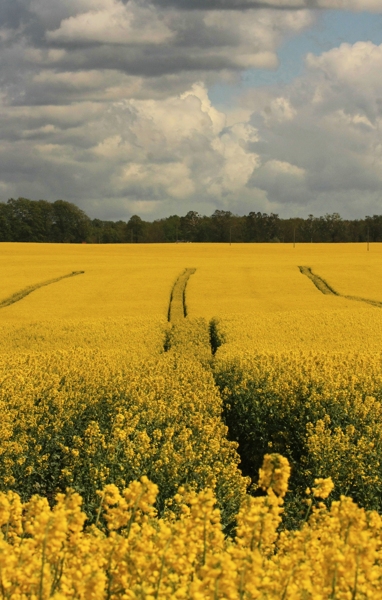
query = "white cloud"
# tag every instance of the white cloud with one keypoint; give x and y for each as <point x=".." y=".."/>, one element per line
<point x="277" y="167"/>
<point x="215" y="159"/>
<point x="322" y="137"/>
<point x="196" y="40"/>
<point x="257" y="33"/>
<point x="279" y="110"/>
<point x="173" y="152"/>
<point x="239" y="163"/>
<point x="105" y="103"/>
<point x="116" y="23"/>
<point x="362" y="60"/>
<point x="173" y="179"/>
<point x="78" y="80"/>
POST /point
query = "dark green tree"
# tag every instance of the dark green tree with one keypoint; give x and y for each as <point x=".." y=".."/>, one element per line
<point x="135" y="230"/>
<point x="5" y="226"/>
<point x="190" y="226"/>
<point x="70" y="223"/>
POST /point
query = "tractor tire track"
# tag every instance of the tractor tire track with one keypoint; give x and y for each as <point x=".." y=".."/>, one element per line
<point x="325" y="288"/>
<point x="17" y="296"/>
<point x="177" y="309"/>
<point x="196" y="334"/>
<point x="320" y="283"/>
<point x="359" y="299"/>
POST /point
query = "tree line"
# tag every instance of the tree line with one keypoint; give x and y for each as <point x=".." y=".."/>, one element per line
<point x="24" y="220"/>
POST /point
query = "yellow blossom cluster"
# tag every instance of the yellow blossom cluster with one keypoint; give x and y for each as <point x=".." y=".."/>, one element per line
<point x="275" y="474"/>
<point x="131" y="553"/>
<point x="190" y="338"/>
<point x="85" y="418"/>
<point x="323" y="487"/>
<point x="322" y="411"/>
<point x="133" y="336"/>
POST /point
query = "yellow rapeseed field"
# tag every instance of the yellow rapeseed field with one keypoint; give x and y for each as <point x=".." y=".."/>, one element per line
<point x="256" y="290"/>
<point x="264" y="303"/>
<point x="130" y="553"/>
<point x="232" y="453"/>
<point x="117" y="280"/>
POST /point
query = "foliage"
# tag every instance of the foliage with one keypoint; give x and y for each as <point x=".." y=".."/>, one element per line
<point x="25" y="220"/>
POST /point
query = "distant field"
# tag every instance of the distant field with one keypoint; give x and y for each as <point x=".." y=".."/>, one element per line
<point x="257" y="291"/>
<point x="117" y="280"/>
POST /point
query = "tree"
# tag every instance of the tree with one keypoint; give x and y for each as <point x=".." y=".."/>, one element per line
<point x="308" y="229"/>
<point x="190" y="226"/>
<point x="220" y="226"/>
<point x="332" y="228"/>
<point x="171" y="228"/>
<point x="5" y="227"/>
<point x="29" y="220"/>
<point x="134" y="230"/>
<point x="70" y="223"/>
<point x="374" y="228"/>
<point x="262" y="227"/>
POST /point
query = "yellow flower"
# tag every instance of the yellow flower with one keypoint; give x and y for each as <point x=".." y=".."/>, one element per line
<point x="274" y="474"/>
<point x="323" y="487"/>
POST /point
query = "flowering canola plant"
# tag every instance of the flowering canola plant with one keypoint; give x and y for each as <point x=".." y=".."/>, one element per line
<point x="132" y="553"/>
<point x="236" y="457"/>
<point x="322" y="411"/>
<point x="83" y="419"/>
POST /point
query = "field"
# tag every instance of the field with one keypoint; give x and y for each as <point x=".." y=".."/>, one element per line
<point x="191" y="421"/>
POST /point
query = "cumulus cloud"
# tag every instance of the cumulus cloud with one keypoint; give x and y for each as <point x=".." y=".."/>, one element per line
<point x="178" y="149"/>
<point x="164" y="155"/>
<point x="105" y="103"/>
<point x="324" y="135"/>
<point x="114" y="23"/>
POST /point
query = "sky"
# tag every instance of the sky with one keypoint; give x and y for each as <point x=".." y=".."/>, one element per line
<point x="159" y="107"/>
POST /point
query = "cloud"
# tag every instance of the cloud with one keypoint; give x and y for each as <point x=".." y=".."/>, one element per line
<point x="99" y="105"/>
<point x="63" y="52"/>
<point x="283" y="182"/>
<point x="346" y="66"/>
<point x="356" y="5"/>
<point x="139" y="38"/>
<point x="323" y="135"/>
<point x="179" y="148"/>
<point x="105" y="103"/>
<point x="174" y="153"/>
<point x="114" y="23"/>
<point x="316" y="146"/>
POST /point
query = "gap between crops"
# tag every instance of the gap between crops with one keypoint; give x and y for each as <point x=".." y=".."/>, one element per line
<point x="17" y="296"/>
<point x="182" y="331"/>
<point x="177" y="309"/>
<point x="325" y="288"/>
